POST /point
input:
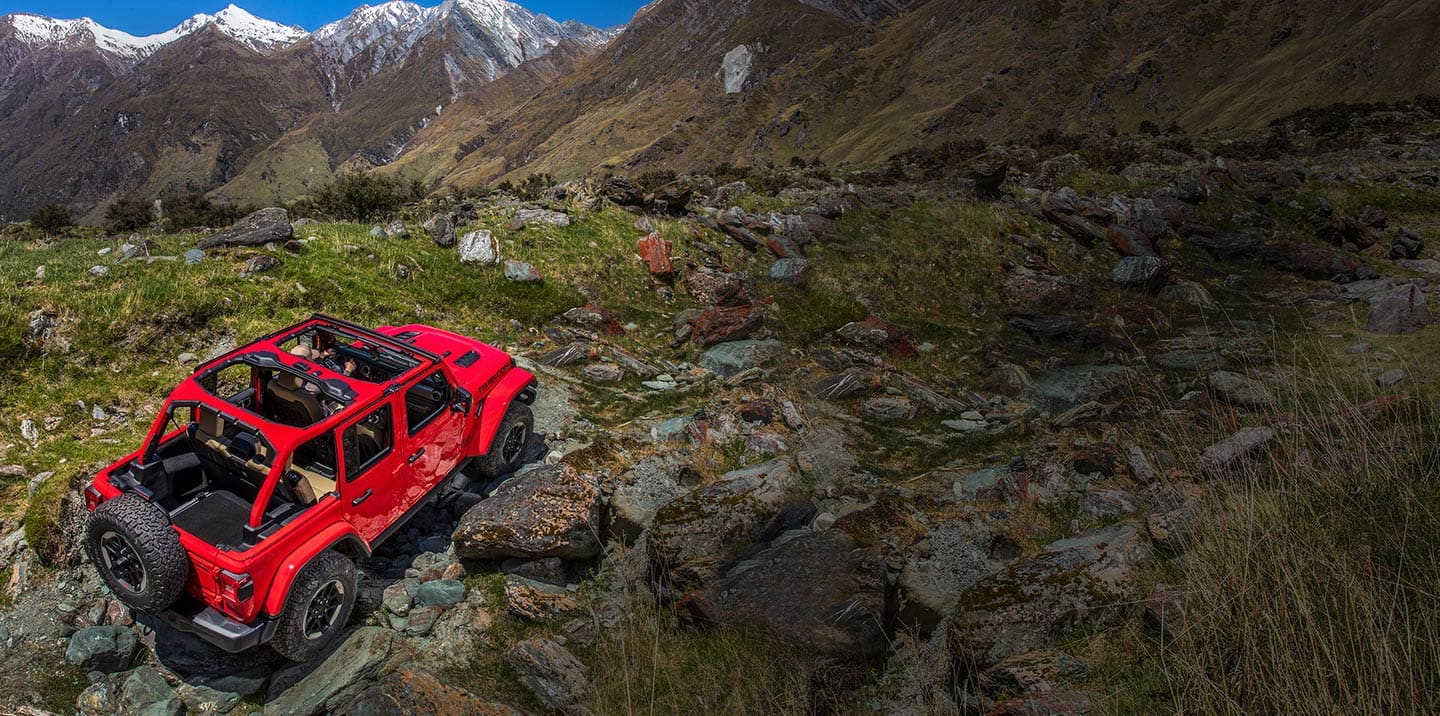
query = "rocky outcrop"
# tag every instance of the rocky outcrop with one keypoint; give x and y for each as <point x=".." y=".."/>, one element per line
<point x="262" y="227"/>
<point x="550" y="511"/>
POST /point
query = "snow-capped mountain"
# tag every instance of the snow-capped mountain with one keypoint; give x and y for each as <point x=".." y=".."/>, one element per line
<point x="256" y="33"/>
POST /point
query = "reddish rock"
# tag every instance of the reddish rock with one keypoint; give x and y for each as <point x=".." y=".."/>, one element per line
<point x="877" y="333"/>
<point x="1101" y="457"/>
<point x="783" y="248"/>
<point x="1130" y="242"/>
<point x="593" y="316"/>
<point x="1317" y="262"/>
<point x="718" y="325"/>
<point x="655" y="252"/>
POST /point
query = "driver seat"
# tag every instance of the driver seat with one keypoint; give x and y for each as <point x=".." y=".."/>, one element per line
<point x="291" y="403"/>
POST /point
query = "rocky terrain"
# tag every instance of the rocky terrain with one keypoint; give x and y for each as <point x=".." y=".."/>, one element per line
<point x="990" y="437"/>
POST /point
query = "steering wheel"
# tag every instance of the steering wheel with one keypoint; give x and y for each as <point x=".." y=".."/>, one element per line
<point x="286" y="490"/>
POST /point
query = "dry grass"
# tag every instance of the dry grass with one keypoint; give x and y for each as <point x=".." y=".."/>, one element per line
<point x="1313" y="583"/>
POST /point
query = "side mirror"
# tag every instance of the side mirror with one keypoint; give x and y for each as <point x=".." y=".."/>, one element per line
<point x="461" y="400"/>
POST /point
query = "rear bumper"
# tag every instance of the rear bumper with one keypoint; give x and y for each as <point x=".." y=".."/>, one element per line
<point x="193" y="617"/>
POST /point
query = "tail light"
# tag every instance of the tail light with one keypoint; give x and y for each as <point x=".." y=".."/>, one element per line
<point x="235" y="590"/>
<point x="93" y="498"/>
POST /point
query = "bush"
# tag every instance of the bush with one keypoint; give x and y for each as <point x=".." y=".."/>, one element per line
<point x="194" y="210"/>
<point x="656" y="178"/>
<point x="51" y="218"/>
<point x="535" y="186"/>
<point x="364" y="198"/>
<point x="129" y="213"/>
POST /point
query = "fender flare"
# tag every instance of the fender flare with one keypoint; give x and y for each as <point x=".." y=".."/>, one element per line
<point x="495" y="403"/>
<point x="339" y="535"/>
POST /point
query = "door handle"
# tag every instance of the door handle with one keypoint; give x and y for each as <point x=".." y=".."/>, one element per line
<point x="363" y="497"/>
<point x="418" y="454"/>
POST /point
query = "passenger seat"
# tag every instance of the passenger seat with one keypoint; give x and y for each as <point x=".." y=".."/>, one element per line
<point x="291" y="403"/>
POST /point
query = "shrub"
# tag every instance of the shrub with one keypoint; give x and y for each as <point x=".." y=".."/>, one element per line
<point x="191" y="210"/>
<point x="534" y="186"/>
<point x="361" y="197"/>
<point x="656" y="178"/>
<point x="51" y="218"/>
<point x="129" y="213"/>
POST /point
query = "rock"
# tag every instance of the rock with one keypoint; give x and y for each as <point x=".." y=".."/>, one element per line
<point x="550" y="511"/>
<point x="1062" y="389"/>
<point x="722" y="325"/>
<point x="1129" y="242"/>
<point x="1406" y="245"/>
<point x="987" y="176"/>
<point x="1033" y="293"/>
<point x="106" y="649"/>
<point x="603" y="372"/>
<point x="1174" y="513"/>
<point x="1193" y="361"/>
<point x="397" y="599"/>
<point x="480" y="248"/>
<point x="193" y="256"/>
<point x="146" y="693"/>
<point x="1139" y="464"/>
<point x="1317" y="262"/>
<point x="443" y="593"/>
<point x="1034" y="672"/>
<point x="442" y="232"/>
<point x="542" y="216"/>
<point x="396" y="230"/>
<point x="536" y="601"/>
<point x="1100" y="504"/>
<point x="1096" y="459"/>
<point x="673" y="198"/>
<point x="1230" y="454"/>
<point x="98" y="271"/>
<point x="1390" y="378"/>
<point x="638" y="494"/>
<point x="840" y="386"/>
<point x="729" y="359"/>
<point x="593" y="316"/>
<point x="655" y="252"/>
<point x="553" y="674"/>
<point x="1430" y="266"/>
<point x="522" y="272"/>
<point x="1147" y="273"/>
<point x="1082" y="582"/>
<point x="1188" y="293"/>
<point x="888" y="408"/>
<point x="1061" y="702"/>
<point x="876" y="333"/>
<point x="1399" y="310"/>
<point x="261" y="264"/>
<point x="950" y="559"/>
<point x="1239" y="390"/>
<point x="817" y="592"/>
<point x="695" y="537"/>
<point x="1165" y="611"/>
<point x="795" y="272"/>
<point x="338" y="679"/>
<point x="735" y="68"/>
<point x="411" y="692"/>
<point x="260" y="228"/>
<point x="622" y="192"/>
<point x="377" y="232"/>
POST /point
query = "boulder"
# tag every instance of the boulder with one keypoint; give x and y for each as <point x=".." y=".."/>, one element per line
<point x="655" y="252"/>
<point x="524" y="217"/>
<point x="1100" y="504"/>
<point x="888" y="408"/>
<point x="260" y="264"/>
<point x="340" y="678"/>
<point x="695" y="537"/>
<point x="1174" y="512"/>
<point x="551" y="673"/>
<point x="673" y="198"/>
<point x="522" y="272"/>
<point x="721" y="325"/>
<point x="536" y="601"/>
<point x="260" y="228"/>
<point x="412" y="692"/>
<point x="1129" y="242"/>
<point x="1029" y="293"/>
<point x="396" y="230"/>
<point x="479" y="247"/>
<point x="729" y="359"/>
<point x="1317" y="262"/>
<point x="1231" y="454"/>
<point x="146" y="693"/>
<point x="442" y="231"/>
<point x="1239" y="390"/>
<point x="876" y="333"/>
<point x="1082" y="582"/>
<point x="1062" y="389"/>
<point x="638" y="494"/>
<point x="443" y="593"/>
<point x="549" y="511"/>
<point x="950" y="559"/>
<point x="1399" y="310"/>
<point x="818" y="592"/>
<point x="1034" y="672"/>
<point x="795" y="272"/>
<point x="1147" y="273"/>
<point x="622" y="192"/>
<point x="1406" y="245"/>
<point x="106" y="649"/>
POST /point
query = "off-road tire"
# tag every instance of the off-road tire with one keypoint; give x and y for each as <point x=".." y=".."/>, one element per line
<point x="130" y="521"/>
<point x="498" y="461"/>
<point x="295" y="638"/>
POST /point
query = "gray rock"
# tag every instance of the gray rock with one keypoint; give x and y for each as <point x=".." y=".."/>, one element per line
<point x="260" y="228"/>
<point x="193" y="256"/>
<point x="817" y="592"/>
<point x="1230" y="454"/>
<point x="695" y="537"/>
<point x="107" y="649"/>
<point x="1399" y="310"/>
<point x="638" y="494"/>
<point x="1066" y="388"/>
<point x="795" y="272"/>
<point x="735" y="68"/>
<point x="522" y="272"/>
<point x="888" y="408"/>
<point x="1083" y="582"/>
<point x="1197" y="361"/>
<point x="553" y="674"/>
<point x="729" y="359"/>
<point x="950" y="559"/>
<point x="1173" y="516"/>
<point x="1237" y="389"/>
<point x="442" y="593"/>
<point x="1390" y="378"/>
<point x="1100" y="503"/>
<point x="98" y="271"/>
<point x="146" y="693"/>
<point x="1147" y="273"/>
<point x="206" y="700"/>
<point x="1430" y="266"/>
<point x="1189" y="293"/>
<point x="261" y="264"/>
<point x="479" y="247"/>
<point x="442" y="232"/>
<point x="338" y="679"/>
<point x="603" y="372"/>
<point x="396" y="230"/>
<point x="551" y="511"/>
<point x="1139" y="464"/>
<point x="377" y="232"/>
<point x="542" y="216"/>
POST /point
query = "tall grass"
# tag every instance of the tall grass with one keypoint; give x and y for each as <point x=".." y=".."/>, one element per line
<point x="1313" y="583"/>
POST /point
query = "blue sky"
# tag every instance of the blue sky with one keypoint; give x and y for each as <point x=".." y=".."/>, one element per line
<point x="144" y="18"/>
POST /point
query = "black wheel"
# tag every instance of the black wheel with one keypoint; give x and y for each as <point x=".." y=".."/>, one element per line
<point x="137" y="552"/>
<point x="507" y="452"/>
<point x="318" y="607"/>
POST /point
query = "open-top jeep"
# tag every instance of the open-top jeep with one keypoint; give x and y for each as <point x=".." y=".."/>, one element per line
<point x="274" y="467"/>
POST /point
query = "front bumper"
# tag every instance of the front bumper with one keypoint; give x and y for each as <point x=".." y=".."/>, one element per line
<point x="193" y="617"/>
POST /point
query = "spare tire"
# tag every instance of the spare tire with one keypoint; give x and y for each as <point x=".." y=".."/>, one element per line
<point x="137" y="552"/>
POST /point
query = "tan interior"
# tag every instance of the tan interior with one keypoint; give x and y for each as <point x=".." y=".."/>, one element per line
<point x="292" y="403"/>
<point x="312" y="485"/>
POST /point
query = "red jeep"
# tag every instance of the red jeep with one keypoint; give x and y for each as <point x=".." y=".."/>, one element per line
<point x="275" y="467"/>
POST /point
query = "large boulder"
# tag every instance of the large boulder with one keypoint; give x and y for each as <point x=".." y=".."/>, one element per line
<point x="947" y="561"/>
<point x="696" y="537"/>
<point x="1147" y="273"/>
<point x="1317" y="262"/>
<point x="722" y="325"/>
<point x="260" y="228"/>
<point x="479" y="247"/>
<point x="550" y="511"/>
<point x="1065" y="388"/>
<point x="1081" y="582"/>
<point x="735" y="357"/>
<point x="107" y="649"/>
<point x="525" y="217"/>
<point x="1399" y="310"/>
<point x="552" y="673"/>
<point x="1240" y="390"/>
<point x="817" y="591"/>
<point x="412" y="692"/>
<point x="442" y="230"/>
<point x="146" y="693"/>
<point x="638" y="494"/>
<point x="341" y="678"/>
